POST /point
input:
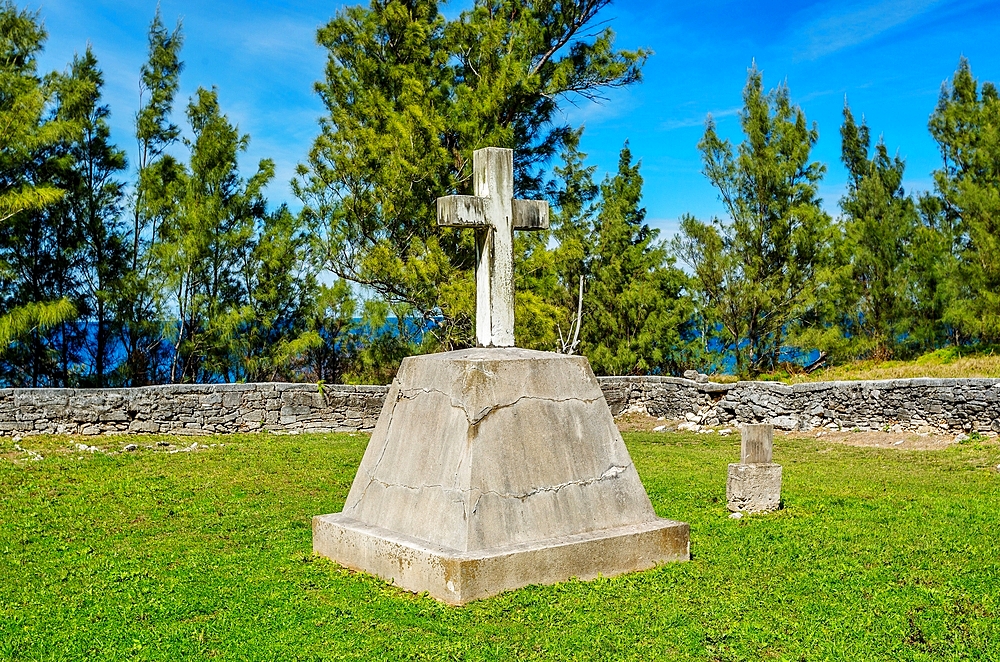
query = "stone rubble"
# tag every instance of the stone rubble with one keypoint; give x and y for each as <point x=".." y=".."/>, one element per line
<point x="35" y="456"/>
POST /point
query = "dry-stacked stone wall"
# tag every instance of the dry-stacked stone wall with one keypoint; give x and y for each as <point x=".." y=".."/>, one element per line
<point x="901" y="404"/>
<point x="897" y="404"/>
<point x="666" y="397"/>
<point x="190" y="409"/>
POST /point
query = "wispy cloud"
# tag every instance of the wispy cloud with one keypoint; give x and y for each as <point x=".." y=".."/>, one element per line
<point x="620" y="103"/>
<point x="685" y="123"/>
<point x="286" y="39"/>
<point x="668" y="227"/>
<point x="858" y="24"/>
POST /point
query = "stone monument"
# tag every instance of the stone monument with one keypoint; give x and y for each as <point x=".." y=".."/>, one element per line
<point x="496" y="467"/>
<point x="754" y="485"/>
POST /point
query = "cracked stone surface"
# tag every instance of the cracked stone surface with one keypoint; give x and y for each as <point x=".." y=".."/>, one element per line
<point x="753" y="488"/>
<point x="490" y="447"/>
<point x="491" y="469"/>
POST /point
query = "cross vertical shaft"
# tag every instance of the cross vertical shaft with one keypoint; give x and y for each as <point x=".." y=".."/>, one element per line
<point x="495" y="214"/>
<point x="494" y="180"/>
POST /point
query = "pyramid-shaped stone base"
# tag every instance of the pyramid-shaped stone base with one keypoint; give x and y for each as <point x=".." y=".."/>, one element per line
<point x="492" y="469"/>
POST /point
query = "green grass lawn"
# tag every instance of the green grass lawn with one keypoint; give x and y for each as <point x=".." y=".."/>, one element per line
<point x="878" y="554"/>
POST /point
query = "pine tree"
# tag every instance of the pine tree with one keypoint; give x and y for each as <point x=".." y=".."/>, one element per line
<point x="573" y="195"/>
<point x="759" y="272"/>
<point x="93" y="204"/>
<point x="331" y="317"/>
<point x="537" y="311"/>
<point x="929" y="280"/>
<point x="271" y="338"/>
<point x="966" y="126"/>
<point x="880" y="223"/>
<point x="410" y="95"/>
<point x="634" y="308"/>
<point x="213" y="215"/>
<point x="139" y="306"/>
<point x="29" y="142"/>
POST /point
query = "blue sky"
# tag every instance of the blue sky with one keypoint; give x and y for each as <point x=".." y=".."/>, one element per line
<point x="887" y="57"/>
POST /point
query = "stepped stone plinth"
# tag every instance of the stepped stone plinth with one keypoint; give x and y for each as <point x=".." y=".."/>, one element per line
<point x="491" y="469"/>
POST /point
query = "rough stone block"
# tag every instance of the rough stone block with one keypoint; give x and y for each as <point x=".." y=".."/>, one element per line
<point x="753" y="488"/>
<point x="143" y="426"/>
<point x="458" y="577"/>
<point x="786" y="422"/>
<point x="492" y="469"/>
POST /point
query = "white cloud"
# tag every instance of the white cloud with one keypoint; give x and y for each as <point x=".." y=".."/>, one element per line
<point x="668" y="227"/>
<point x="684" y="123"/>
<point x="858" y="24"/>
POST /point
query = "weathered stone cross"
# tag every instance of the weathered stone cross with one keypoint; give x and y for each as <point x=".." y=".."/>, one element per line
<point x="494" y="213"/>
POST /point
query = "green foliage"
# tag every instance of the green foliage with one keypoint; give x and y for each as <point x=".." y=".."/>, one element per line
<point x="410" y="95"/>
<point x="331" y="317"/>
<point x="25" y="130"/>
<point x="140" y="303"/>
<point x="634" y="308"/>
<point x="20" y="321"/>
<point x="878" y="554"/>
<point x="212" y="218"/>
<point x="574" y="196"/>
<point x="270" y="336"/>
<point x="966" y="126"/>
<point x="93" y="210"/>
<point x="872" y="292"/>
<point x="759" y="272"/>
<point x="388" y="337"/>
<point x="195" y="242"/>
<point x="189" y="271"/>
<point x="30" y="252"/>
<point x="537" y="312"/>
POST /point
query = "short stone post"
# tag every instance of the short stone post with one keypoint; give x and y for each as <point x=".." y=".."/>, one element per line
<point x="754" y="485"/>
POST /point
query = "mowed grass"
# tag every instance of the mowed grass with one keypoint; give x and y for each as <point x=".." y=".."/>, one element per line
<point x="877" y="555"/>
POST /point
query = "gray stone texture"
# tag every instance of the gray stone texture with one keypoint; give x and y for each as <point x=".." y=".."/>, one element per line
<point x="190" y="409"/>
<point x="756" y="443"/>
<point x="753" y="488"/>
<point x="903" y="404"/>
<point x="754" y="485"/>
<point x="491" y="469"/>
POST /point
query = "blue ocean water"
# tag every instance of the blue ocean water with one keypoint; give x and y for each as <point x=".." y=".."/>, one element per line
<point x="415" y="328"/>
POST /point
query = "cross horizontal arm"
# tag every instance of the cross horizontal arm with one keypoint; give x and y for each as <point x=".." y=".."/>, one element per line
<point x="470" y="211"/>
<point x="463" y="211"/>
<point x="531" y="215"/>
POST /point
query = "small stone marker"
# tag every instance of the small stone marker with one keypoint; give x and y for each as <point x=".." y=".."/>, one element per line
<point x="756" y="443"/>
<point x="493" y="468"/>
<point x="495" y="214"/>
<point x="754" y="485"/>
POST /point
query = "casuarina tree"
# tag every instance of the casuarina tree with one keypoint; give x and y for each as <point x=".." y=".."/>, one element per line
<point x="409" y="96"/>
<point x="966" y="126"/>
<point x="758" y="271"/>
<point x="30" y="137"/>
